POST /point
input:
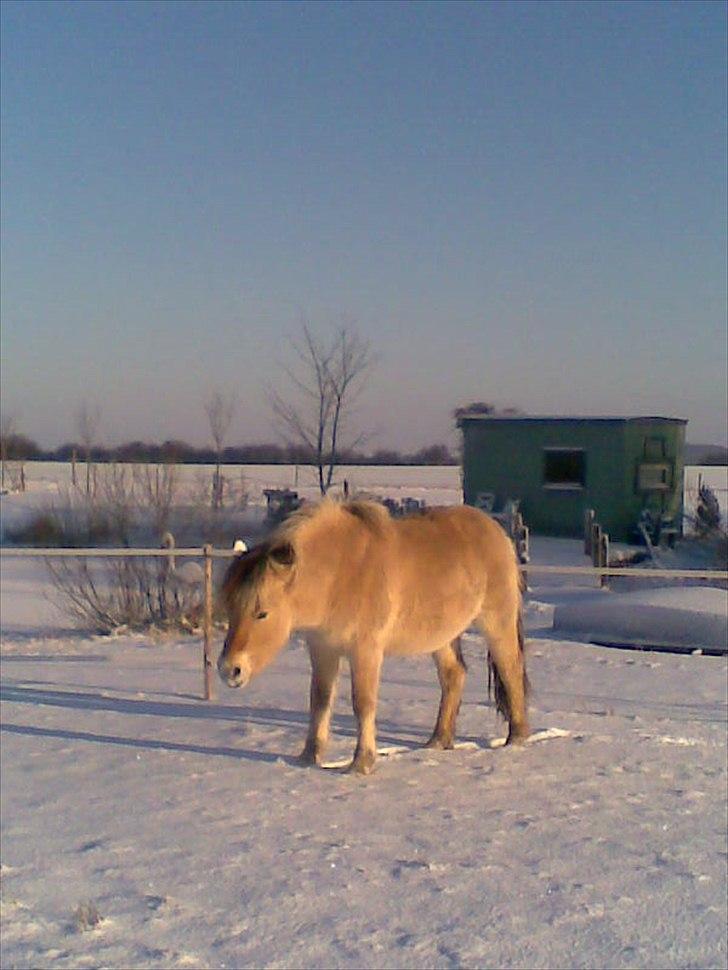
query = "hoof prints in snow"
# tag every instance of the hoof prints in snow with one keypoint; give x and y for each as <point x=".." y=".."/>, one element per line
<point x="396" y="750"/>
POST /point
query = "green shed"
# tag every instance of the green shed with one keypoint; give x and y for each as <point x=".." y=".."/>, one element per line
<point x="557" y="467"/>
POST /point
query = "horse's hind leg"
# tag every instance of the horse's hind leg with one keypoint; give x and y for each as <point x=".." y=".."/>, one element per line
<point x="451" y="674"/>
<point x="504" y="634"/>
<point x="324" y="673"/>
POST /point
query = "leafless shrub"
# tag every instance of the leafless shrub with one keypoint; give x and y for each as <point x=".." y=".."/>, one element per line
<point x="124" y="593"/>
<point x="124" y="502"/>
<point x="200" y="521"/>
<point x="132" y="593"/>
<point x="156" y="489"/>
<point x="43" y="529"/>
<point x="114" y="501"/>
<point x="72" y="522"/>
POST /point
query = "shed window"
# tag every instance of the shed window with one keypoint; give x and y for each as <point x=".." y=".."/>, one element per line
<point x="654" y="449"/>
<point x="654" y="477"/>
<point x="564" y="468"/>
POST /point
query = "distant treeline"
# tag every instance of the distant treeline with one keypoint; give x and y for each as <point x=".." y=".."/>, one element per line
<point x="19" y="447"/>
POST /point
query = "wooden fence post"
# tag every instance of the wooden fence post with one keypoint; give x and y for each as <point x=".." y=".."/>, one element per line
<point x="516" y="524"/>
<point x="526" y="541"/>
<point x="169" y="563"/>
<point x="207" y="623"/>
<point x="596" y="536"/>
<point x="589" y="517"/>
<point x="604" y="557"/>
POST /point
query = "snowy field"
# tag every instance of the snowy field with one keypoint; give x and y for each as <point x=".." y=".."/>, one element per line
<point x="144" y="827"/>
<point x="437" y="485"/>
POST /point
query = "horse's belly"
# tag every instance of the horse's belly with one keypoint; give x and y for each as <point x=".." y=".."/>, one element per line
<point x="426" y="638"/>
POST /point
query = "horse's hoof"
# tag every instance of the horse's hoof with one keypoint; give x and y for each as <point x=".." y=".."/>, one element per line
<point x="361" y="766"/>
<point x="308" y="758"/>
<point x="518" y="737"/>
<point x="440" y="744"/>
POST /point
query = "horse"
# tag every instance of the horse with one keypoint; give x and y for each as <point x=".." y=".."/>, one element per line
<point x="358" y="583"/>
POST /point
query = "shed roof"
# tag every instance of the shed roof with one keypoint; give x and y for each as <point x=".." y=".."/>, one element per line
<point x="515" y="418"/>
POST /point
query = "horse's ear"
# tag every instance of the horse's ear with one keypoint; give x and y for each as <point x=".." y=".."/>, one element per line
<point x="283" y="556"/>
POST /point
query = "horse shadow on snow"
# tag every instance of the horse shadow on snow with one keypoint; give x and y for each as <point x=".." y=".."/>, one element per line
<point x="244" y="715"/>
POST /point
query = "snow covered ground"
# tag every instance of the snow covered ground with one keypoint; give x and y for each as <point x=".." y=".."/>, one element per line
<point x="680" y="618"/>
<point x="143" y="827"/>
<point x="438" y="485"/>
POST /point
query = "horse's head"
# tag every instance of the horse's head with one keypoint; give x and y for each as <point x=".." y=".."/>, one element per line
<point x="256" y="592"/>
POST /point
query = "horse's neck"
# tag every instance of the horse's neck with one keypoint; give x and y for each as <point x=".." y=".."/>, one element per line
<point x="319" y="555"/>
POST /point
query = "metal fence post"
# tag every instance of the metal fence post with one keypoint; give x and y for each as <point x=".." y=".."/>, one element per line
<point x="207" y="623"/>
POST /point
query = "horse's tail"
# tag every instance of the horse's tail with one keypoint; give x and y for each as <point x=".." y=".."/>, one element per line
<point x="496" y="687"/>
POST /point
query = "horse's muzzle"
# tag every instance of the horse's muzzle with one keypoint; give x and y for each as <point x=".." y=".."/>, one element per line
<point x="234" y="674"/>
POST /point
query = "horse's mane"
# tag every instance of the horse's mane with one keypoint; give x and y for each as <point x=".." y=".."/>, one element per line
<point x="246" y="572"/>
<point x="243" y="576"/>
<point x="371" y="514"/>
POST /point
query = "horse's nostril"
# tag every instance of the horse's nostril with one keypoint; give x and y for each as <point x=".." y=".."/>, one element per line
<point x="236" y="672"/>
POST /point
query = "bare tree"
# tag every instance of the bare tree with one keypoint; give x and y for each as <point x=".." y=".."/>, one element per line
<point x="220" y="408"/>
<point x="326" y="378"/>
<point x="7" y="433"/>
<point x="88" y="418"/>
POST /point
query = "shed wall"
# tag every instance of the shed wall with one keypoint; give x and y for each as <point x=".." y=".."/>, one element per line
<point x="506" y="457"/>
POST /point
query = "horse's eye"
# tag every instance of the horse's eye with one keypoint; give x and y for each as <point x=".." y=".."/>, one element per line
<point x="262" y="615"/>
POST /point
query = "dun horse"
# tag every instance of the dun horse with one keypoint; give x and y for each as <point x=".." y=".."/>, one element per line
<point x="361" y="584"/>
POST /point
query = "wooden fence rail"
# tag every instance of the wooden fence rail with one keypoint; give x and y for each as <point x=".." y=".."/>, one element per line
<point x="208" y="553"/>
<point x="196" y="552"/>
<point x="628" y="572"/>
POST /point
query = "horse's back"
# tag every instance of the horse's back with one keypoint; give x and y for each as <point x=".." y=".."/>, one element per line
<point x="457" y="532"/>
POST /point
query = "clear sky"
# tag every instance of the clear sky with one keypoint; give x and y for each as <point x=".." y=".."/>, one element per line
<point x="522" y="203"/>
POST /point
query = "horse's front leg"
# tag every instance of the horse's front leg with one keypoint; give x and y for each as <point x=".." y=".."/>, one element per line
<point x="366" y="665"/>
<point x="324" y="674"/>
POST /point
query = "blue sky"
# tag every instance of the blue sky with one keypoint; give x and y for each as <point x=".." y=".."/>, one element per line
<point x="519" y="203"/>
